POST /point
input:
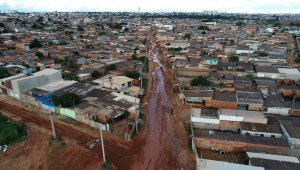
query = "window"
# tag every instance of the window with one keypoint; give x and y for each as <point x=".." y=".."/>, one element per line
<point x="123" y="84"/>
<point x="262" y="135"/>
<point x="272" y="136"/>
<point x="256" y="134"/>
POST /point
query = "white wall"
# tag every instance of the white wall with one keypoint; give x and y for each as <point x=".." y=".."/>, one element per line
<point x="252" y="133"/>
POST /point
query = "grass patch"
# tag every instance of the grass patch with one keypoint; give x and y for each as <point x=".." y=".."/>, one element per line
<point x="142" y="116"/>
<point x="187" y="127"/>
<point x="56" y="149"/>
<point x="142" y="59"/>
<point x="145" y="83"/>
<point x="11" y="133"/>
<point x="168" y="64"/>
<point x="162" y="62"/>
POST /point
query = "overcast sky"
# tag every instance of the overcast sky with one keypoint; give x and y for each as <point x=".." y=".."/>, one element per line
<point x="251" y="6"/>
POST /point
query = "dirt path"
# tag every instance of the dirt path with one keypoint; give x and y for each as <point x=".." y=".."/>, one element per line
<point x="119" y="152"/>
<point x="159" y="135"/>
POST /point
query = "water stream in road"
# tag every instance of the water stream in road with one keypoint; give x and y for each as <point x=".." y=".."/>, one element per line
<point x="157" y="136"/>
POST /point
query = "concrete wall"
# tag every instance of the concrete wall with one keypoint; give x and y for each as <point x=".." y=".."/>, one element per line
<point x="277" y="111"/>
<point x="66" y="111"/>
<point x="24" y="84"/>
<point x="208" y="126"/>
<point x="252" y="133"/>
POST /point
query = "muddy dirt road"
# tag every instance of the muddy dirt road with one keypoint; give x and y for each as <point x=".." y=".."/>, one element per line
<point x="157" y="133"/>
<point x="119" y="152"/>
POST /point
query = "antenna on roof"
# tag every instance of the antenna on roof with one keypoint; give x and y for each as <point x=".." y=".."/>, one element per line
<point x="139" y="17"/>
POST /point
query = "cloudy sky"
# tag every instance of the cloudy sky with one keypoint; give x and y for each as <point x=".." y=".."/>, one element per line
<point x="251" y="6"/>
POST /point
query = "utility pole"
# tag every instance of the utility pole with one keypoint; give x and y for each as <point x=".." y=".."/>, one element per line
<point x="136" y="116"/>
<point x="73" y="106"/>
<point x="146" y="50"/>
<point x="54" y="135"/>
<point x="293" y="104"/>
<point x="102" y="143"/>
<point x="141" y="73"/>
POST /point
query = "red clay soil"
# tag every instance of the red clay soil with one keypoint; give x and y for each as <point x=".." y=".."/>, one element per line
<point x="161" y="137"/>
<point x="79" y="153"/>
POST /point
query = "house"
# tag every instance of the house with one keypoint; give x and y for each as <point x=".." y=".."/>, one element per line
<point x="264" y="130"/>
<point x="205" y="118"/>
<point x="198" y="97"/>
<point x="6" y="82"/>
<point x="16" y="69"/>
<point x="224" y="100"/>
<point x="289" y="90"/>
<point x="267" y="71"/>
<point x="117" y="82"/>
<point x="243" y="83"/>
<point x="38" y="79"/>
<point x="248" y="99"/>
<point x="290" y="127"/>
<point x="273" y="102"/>
<point x="264" y="82"/>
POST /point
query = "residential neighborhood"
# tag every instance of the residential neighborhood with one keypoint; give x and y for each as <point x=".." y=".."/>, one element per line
<point x="205" y="90"/>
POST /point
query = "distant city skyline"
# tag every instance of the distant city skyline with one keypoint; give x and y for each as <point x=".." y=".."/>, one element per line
<point x="230" y="6"/>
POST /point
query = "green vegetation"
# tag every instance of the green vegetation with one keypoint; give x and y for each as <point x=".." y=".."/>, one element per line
<point x="57" y="149"/>
<point x="112" y="67"/>
<point x="146" y="65"/>
<point x="14" y="37"/>
<point x="89" y="46"/>
<point x="3" y="72"/>
<point x="39" y="54"/>
<point x="160" y="52"/>
<point x="102" y="33"/>
<point x="168" y="64"/>
<point x="188" y="129"/>
<point x="188" y="36"/>
<point x="132" y="74"/>
<point x="200" y="80"/>
<point x="202" y="28"/>
<point x="175" y="49"/>
<point x="144" y="41"/>
<point x="35" y="44"/>
<point x="203" y="53"/>
<point x="250" y="75"/>
<point x="96" y="74"/>
<point x="66" y="100"/>
<point x="154" y="35"/>
<point x="233" y="58"/>
<point x="126" y="114"/>
<point x="134" y="57"/>
<point x="145" y="83"/>
<point x="73" y="76"/>
<point x="297" y="60"/>
<point x="18" y="71"/>
<point x="11" y="133"/>
<point x="162" y="62"/>
<point x="203" y="32"/>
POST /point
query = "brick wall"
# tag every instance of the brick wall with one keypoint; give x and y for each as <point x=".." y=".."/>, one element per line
<point x="229" y="146"/>
<point x="223" y="104"/>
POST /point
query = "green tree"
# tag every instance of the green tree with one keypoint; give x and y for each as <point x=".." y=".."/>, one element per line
<point x="203" y="32"/>
<point x="72" y="65"/>
<point x="89" y="46"/>
<point x="231" y="41"/>
<point x="134" y="57"/>
<point x="14" y="37"/>
<point x="250" y="75"/>
<point x="81" y="36"/>
<point x="102" y="26"/>
<point x="3" y="72"/>
<point x="79" y="28"/>
<point x="112" y="67"/>
<point x="18" y="71"/>
<point x="282" y="82"/>
<point x="202" y="28"/>
<point x="35" y="44"/>
<point x="39" y="54"/>
<point x="50" y="43"/>
<point x="233" y="58"/>
<point x="126" y="114"/>
<point x="132" y="74"/>
<point x="154" y="35"/>
<point x="73" y="76"/>
<point x="102" y="33"/>
<point x="66" y="100"/>
<point x="71" y="38"/>
<point x="126" y="29"/>
<point x="188" y="36"/>
<point x="96" y="74"/>
<point x="200" y="80"/>
<point x="221" y="83"/>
